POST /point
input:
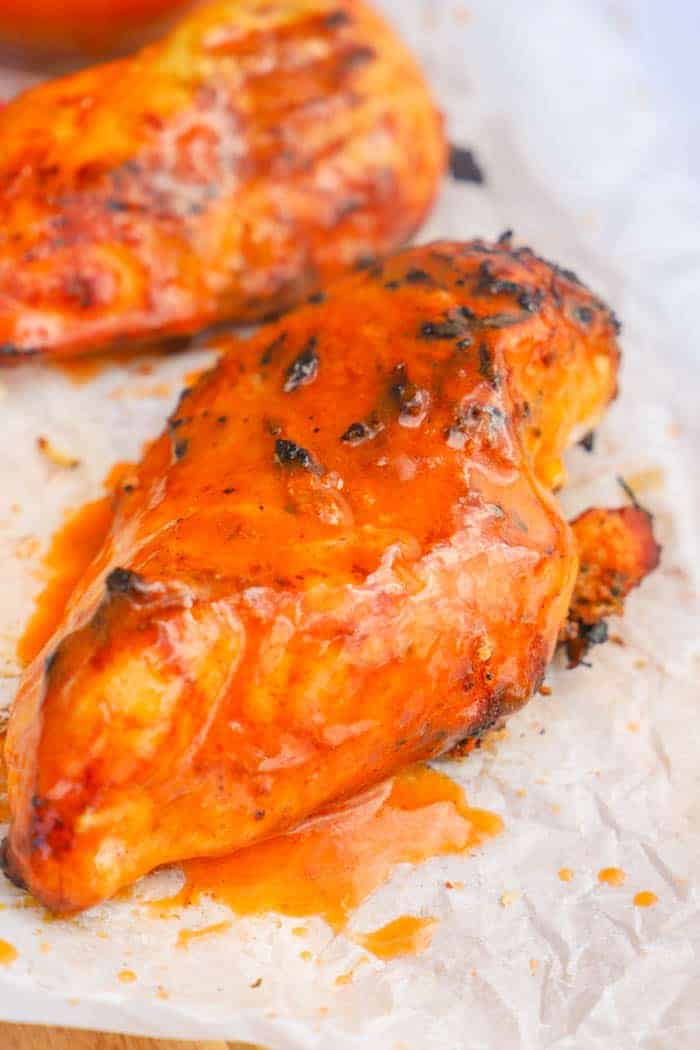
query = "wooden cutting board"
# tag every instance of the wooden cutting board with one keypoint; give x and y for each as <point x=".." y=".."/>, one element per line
<point x="26" y="1037"/>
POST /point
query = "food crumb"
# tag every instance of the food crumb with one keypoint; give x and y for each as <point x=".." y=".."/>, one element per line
<point x="521" y="792"/>
<point x="162" y="993"/>
<point x="534" y="964"/>
<point x="300" y="931"/>
<point x="126" y="976"/>
<point x="56" y="455"/>
<point x="305" y="955"/>
<point x="645" y="899"/>
<point x="256" y="983"/>
<point x="545" y="690"/>
<point x="565" y="874"/>
<point x="8" y="953"/>
<point x="454" y="885"/>
<point x="508" y="898"/>
<point x="633" y="727"/>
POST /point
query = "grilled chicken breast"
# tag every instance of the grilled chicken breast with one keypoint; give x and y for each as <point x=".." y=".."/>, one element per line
<point x="343" y="555"/>
<point x="218" y="175"/>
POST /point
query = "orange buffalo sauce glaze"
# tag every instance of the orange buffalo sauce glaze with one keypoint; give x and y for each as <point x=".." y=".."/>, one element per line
<point x="72" y="548"/>
<point x="329" y="866"/>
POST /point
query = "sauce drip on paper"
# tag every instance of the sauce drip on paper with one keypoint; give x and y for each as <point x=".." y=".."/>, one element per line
<point x="645" y="899"/>
<point x="407" y="935"/>
<point x="612" y="876"/>
<point x="332" y="864"/>
<point x="336" y="861"/>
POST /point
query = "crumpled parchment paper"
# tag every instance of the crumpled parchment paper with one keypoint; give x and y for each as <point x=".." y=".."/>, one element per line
<point x="604" y="772"/>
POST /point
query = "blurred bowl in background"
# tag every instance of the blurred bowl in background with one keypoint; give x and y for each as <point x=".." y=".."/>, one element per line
<point x="37" y="32"/>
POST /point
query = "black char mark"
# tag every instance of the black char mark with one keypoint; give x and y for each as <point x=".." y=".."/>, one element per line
<point x="587" y="635"/>
<point x="6" y="867"/>
<point x="303" y="368"/>
<point x="486" y="366"/>
<point x="336" y="19"/>
<point x="289" y="454"/>
<point x="123" y="581"/>
<point x="464" y="166"/>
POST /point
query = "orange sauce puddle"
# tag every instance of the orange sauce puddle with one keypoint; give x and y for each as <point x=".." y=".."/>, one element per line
<point x="407" y="935"/>
<point x="8" y="953"/>
<point x="612" y="876"/>
<point x="645" y="899"/>
<point x="331" y="865"/>
<point x="73" y="546"/>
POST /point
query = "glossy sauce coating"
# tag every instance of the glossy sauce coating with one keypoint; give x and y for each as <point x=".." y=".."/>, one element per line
<point x="217" y="175"/>
<point x="342" y="556"/>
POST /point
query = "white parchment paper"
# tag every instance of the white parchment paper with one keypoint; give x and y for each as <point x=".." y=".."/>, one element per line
<point x="604" y="772"/>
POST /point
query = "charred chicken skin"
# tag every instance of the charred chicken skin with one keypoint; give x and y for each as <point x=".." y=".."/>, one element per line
<point x="217" y="175"/>
<point x="343" y="555"/>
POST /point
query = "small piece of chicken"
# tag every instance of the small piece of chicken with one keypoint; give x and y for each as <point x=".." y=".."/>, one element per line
<point x="217" y="175"/>
<point x="616" y="550"/>
<point x="342" y="556"/>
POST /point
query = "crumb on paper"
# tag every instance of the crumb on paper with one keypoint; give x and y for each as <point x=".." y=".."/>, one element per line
<point x="633" y="727"/>
<point x="521" y="792"/>
<point x="646" y="480"/>
<point x="126" y="976"/>
<point x="162" y="993"/>
<point x="545" y="690"/>
<point x="616" y="639"/>
<point x="534" y="966"/>
<point x="257" y="983"/>
<point x="27" y="547"/>
<point x="565" y="874"/>
<point x="454" y="885"/>
<point x="56" y="455"/>
<point x="508" y="898"/>
<point x="305" y="955"/>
